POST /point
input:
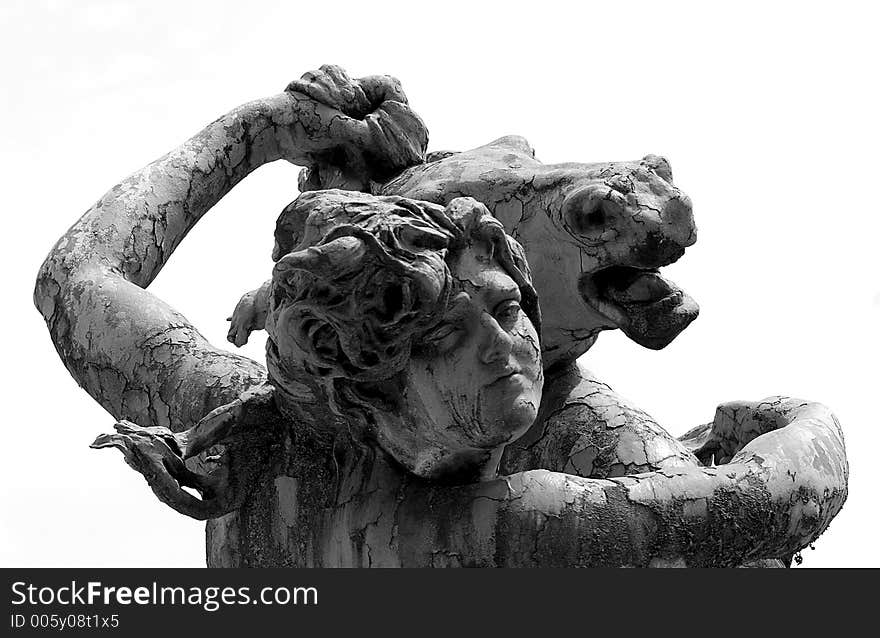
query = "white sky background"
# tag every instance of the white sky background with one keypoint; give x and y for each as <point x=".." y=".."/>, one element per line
<point x="767" y="112"/>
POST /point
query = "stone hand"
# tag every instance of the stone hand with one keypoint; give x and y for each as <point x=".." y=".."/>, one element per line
<point x="158" y="454"/>
<point x="249" y="315"/>
<point x="736" y="424"/>
<point x="330" y="85"/>
<point x="367" y="124"/>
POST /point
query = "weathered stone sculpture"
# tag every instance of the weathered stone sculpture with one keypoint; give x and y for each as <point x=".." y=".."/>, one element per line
<point x="408" y="415"/>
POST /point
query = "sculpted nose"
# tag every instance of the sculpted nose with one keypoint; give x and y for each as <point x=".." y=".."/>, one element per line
<point x="678" y="220"/>
<point x="495" y="343"/>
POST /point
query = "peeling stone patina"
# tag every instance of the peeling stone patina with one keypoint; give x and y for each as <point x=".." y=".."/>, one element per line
<point x="405" y="418"/>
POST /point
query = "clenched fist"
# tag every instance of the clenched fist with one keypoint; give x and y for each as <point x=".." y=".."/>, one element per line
<point x="361" y="126"/>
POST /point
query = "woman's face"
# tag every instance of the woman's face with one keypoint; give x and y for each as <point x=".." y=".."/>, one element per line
<point x="474" y="382"/>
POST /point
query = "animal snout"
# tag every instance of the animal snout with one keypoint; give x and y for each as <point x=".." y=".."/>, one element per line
<point x="678" y="220"/>
<point x="644" y="228"/>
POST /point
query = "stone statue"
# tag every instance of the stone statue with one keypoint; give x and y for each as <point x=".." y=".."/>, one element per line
<point x="423" y="403"/>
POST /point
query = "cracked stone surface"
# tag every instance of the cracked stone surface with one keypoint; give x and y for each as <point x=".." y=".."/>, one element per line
<point x="560" y="471"/>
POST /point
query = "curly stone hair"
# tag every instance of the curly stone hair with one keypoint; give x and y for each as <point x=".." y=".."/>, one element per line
<point x="359" y="278"/>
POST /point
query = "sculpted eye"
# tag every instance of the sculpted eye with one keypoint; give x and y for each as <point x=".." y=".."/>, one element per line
<point x="591" y="211"/>
<point x="507" y="313"/>
<point x="444" y="336"/>
<point x="595" y="217"/>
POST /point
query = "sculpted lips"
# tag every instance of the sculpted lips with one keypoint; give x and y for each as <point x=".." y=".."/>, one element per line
<point x="506" y="375"/>
<point x="650" y="309"/>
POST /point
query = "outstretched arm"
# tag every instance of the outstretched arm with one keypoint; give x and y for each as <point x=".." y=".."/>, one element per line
<point x="133" y="353"/>
<point x="776" y="496"/>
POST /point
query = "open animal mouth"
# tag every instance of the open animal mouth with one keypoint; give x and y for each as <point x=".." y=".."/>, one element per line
<point x="648" y="308"/>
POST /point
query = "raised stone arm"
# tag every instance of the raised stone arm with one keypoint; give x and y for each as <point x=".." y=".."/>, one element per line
<point x="134" y="354"/>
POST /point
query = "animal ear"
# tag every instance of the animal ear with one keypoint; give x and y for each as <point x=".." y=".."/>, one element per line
<point x="516" y="143"/>
<point x="659" y="165"/>
<point x="436" y="156"/>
